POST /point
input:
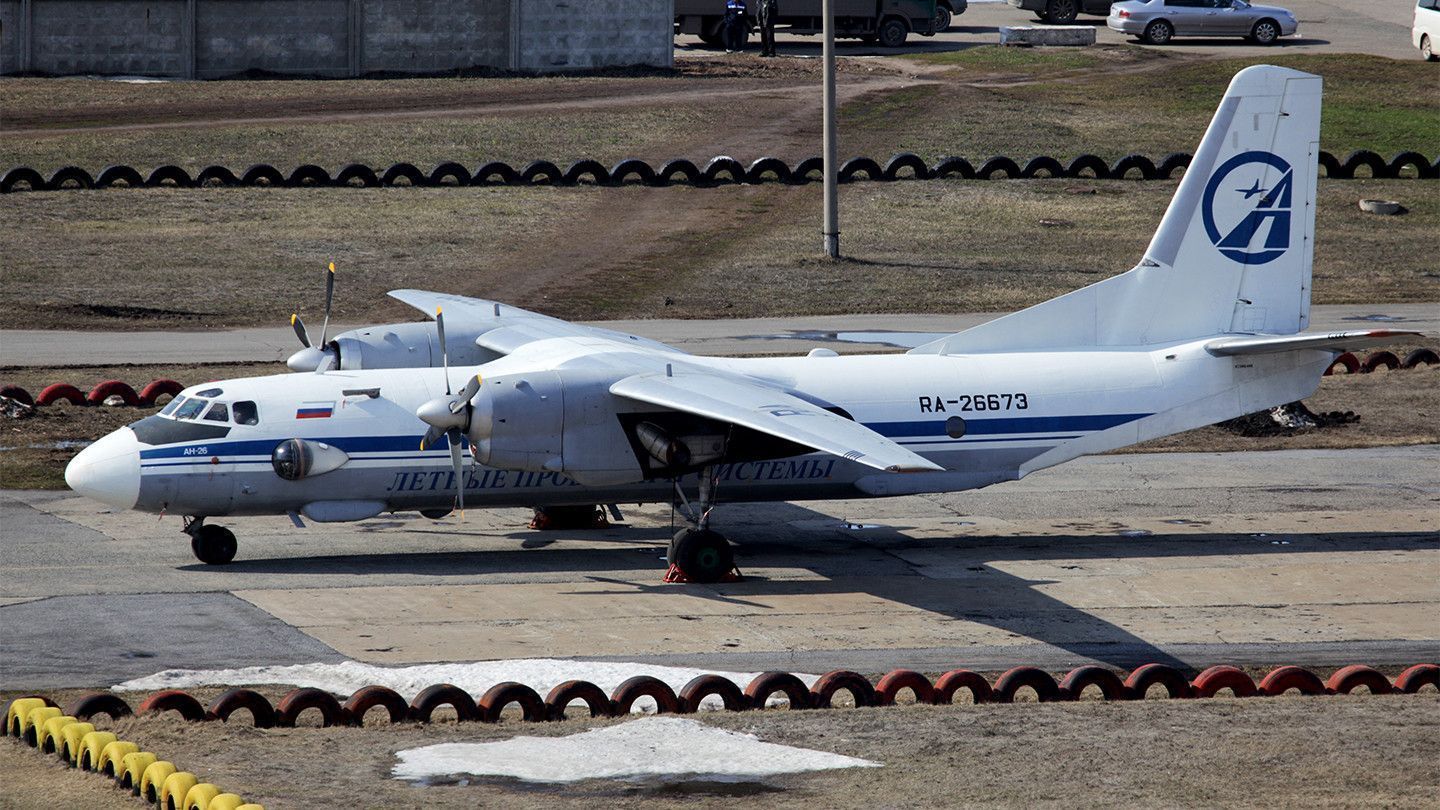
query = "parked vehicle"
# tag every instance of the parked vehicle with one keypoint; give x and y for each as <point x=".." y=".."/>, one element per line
<point x="1059" y="12"/>
<point x="947" y="9"/>
<point x="1159" y="21"/>
<point x="1426" y="30"/>
<point x="888" y="22"/>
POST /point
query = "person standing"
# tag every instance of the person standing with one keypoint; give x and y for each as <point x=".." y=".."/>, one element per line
<point x="736" y="25"/>
<point x="769" y="10"/>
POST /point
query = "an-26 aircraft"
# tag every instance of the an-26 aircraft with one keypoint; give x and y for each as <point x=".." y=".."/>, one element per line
<point x="1205" y="328"/>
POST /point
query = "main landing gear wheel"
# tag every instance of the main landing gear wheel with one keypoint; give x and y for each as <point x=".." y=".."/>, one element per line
<point x="701" y="555"/>
<point x="213" y="545"/>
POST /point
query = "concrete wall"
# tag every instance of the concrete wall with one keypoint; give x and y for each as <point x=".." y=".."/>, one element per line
<point x="214" y="38"/>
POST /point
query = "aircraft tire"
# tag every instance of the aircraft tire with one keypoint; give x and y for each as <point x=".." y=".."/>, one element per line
<point x="955" y="680"/>
<point x="563" y="694"/>
<point x="701" y="555"/>
<point x="262" y="714"/>
<point x="1143" y="678"/>
<point x="298" y="700"/>
<point x="624" y="697"/>
<point x="1410" y="681"/>
<point x="173" y="700"/>
<point x="890" y="685"/>
<point x="856" y="684"/>
<point x="368" y="697"/>
<point x="703" y="686"/>
<point x="1346" y="679"/>
<point x="1046" y="690"/>
<point x="213" y="545"/>
<point x="442" y="694"/>
<point x="768" y="683"/>
<point x="494" y="701"/>
<point x="1074" y="684"/>
<point x="87" y="706"/>
<point x="1212" y="680"/>
<point x="1283" y="679"/>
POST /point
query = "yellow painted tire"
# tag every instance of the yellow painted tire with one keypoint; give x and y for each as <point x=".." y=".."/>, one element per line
<point x="48" y="740"/>
<point x="91" y="745"/>
<point x="132" y="767"/>
<point x="19" y="709"/>
<point x="69" y="746"/>
<point x="33" y="720"/>
<point x="110" y="756"/>
<point x="225" y="801"/>
<point x="153" y="777"/>
<point x="199" y="796"/>
<point x="173" y="791"/>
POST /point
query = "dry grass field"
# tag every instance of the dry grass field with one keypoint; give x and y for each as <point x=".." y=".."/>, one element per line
<point x="1290" y="751"/>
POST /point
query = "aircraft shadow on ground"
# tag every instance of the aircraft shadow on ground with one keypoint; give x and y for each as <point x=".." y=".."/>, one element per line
<point x="870" y="562"/>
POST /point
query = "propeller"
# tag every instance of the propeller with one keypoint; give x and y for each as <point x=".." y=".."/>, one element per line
<point x="449" y="416"/>
<point x="315" y="356"/>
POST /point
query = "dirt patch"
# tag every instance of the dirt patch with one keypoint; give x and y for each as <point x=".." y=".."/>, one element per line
<point x="1342" y="750"/>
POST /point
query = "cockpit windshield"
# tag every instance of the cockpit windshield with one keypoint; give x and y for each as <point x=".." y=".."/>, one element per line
<point x="191" y="408"/>
<point x="170" y="408"/>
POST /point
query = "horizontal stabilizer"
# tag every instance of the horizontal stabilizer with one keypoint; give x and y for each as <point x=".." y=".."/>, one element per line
<point x="1330" y="341"/>
<point x="773" y="412"/>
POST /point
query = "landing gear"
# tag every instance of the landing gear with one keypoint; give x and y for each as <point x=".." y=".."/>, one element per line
<point x="697" y="553"/>
<point x="700" y="555"/>
<point x="213" y="545"/>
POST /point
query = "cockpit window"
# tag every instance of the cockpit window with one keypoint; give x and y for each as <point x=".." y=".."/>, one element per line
<point x="246" y="414"/>
<point x="174" y="403"/>
<point x="191" y="408"/>
<point x="219" y="412"/>
<point x="209" y="393"/>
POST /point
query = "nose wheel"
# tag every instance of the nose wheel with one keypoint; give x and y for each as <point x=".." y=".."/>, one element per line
<point x="213" y="545"/>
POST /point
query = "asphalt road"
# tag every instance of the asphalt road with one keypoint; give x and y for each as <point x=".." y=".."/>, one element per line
<point x="1307" y="557"/>
<point x="747" y="336"/>
<point x="1379" y="27"/>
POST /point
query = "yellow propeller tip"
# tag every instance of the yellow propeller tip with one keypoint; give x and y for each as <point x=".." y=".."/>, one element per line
<point x="332" y="267"/>
<point x="294" y="316"/>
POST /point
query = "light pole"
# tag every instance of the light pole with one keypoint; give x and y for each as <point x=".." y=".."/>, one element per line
<point x="831" y="230"/>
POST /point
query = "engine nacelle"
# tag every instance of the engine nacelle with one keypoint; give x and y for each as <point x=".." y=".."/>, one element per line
<point x="407" y="345"/>
<point x="518" y="422"/>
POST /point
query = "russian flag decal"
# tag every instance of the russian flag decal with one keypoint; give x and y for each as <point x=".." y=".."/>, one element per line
<point x="315" y="410"/>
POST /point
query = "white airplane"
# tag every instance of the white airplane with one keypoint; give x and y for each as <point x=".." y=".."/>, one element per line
<point x="1205" y="328"/>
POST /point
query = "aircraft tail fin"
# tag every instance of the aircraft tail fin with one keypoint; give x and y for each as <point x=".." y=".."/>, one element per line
<point x="1232" y="254"/>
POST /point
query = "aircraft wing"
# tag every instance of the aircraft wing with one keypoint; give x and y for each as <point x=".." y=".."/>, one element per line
<point x="505" y="328"/>
<point x="1329" y="341"/>
<point x="771" y="411"/>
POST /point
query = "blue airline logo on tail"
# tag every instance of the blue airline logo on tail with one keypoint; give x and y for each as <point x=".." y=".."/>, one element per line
<point x="1272" y="207"/>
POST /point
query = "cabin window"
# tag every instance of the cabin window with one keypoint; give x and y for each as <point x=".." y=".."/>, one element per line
<point x="246" y="413"/>
<point x="174" y="403"/>
<point x="191" y="408"/>
<point x="219" y="412"/>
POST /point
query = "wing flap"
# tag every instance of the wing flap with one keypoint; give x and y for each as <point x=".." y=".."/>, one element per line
<point x="773" y="412"/>
<point x="1330" y="341"/>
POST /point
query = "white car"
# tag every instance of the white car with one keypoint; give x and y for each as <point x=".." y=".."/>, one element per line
<point x="1426" y="31"/>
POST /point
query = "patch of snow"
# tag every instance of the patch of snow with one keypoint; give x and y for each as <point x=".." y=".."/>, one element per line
<point x="540" y="674"/>
<point x="647" y="748"/>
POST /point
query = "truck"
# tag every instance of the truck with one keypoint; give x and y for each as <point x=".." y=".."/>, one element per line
<point x="888" y="22"/>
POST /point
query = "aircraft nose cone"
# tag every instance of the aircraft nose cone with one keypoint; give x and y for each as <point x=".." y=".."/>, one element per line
<point x="108" y="470"/>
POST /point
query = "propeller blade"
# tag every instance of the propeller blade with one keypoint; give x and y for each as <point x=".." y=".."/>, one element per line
<point x="466" y="394"/>
<point x="329" y="296"/>
<point x="299" y="327"/>
<point x="444" y="350"/>
<point x="431" y="436"/>
<point x="458" y="462"/>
